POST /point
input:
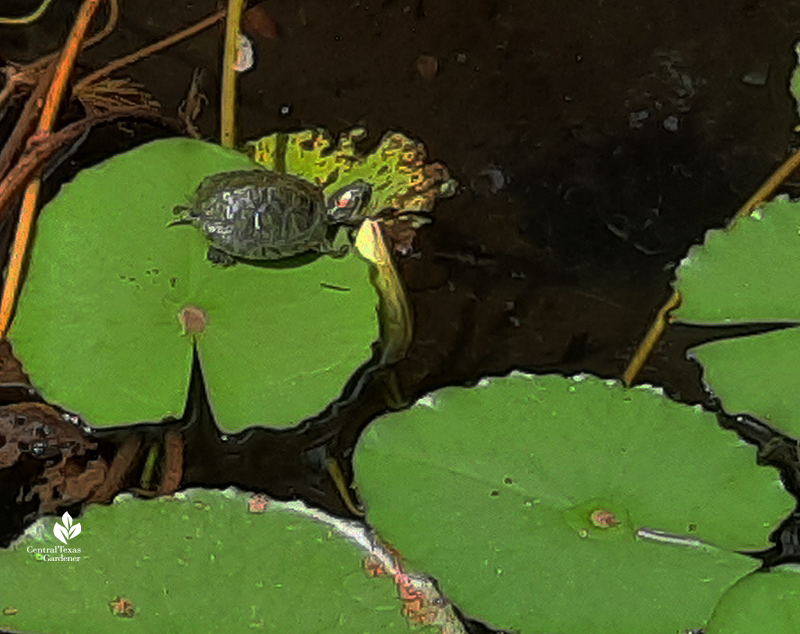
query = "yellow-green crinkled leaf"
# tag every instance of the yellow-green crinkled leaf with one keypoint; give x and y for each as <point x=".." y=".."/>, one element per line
<point x="397" y="168"/>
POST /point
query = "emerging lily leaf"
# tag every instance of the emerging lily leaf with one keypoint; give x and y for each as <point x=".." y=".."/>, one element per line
<point x="743" y="275"/>
<point x="199" y="562"/>
<point x="761" y="602"/>
<point x="115" y="300"/>
<point x="545" y="504"/>
<point x="397" y="168"/>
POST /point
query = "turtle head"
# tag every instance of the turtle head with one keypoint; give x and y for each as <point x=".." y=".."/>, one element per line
<point x="346" y="204"/>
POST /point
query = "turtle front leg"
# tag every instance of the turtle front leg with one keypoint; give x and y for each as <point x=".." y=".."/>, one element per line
<point x="215" y="256"/>
<point x="334" y="252"/>
<point x="340" y="252"/>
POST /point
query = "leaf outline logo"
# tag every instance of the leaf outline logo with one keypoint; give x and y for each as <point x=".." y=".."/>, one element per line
<point x="68" y="530"/>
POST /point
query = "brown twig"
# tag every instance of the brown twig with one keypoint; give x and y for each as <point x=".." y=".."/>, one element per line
<point x="114" y="66"/>
<point x="26" y="123"/>
<point x="662" y="319"/>
<point x="40" y="153"/>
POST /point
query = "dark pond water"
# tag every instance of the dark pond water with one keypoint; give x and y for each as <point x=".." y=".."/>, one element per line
<point x="593" y="141"/>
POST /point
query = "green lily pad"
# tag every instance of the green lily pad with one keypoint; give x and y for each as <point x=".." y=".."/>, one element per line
<point x="98" y="328"/>
<point x="749" y="274"/>
<point x="197" y="563"/>
<point x="761" y="602"/>
<point x="548" y="504"/>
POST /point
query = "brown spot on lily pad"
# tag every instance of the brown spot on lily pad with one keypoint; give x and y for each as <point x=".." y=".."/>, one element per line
<point x="193" y="320"/>
<point x="603" y="518"/>
<point x="122" y="606"/>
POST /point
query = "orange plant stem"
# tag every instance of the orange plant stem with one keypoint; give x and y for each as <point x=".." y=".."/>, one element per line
<point x="55" y="95"/>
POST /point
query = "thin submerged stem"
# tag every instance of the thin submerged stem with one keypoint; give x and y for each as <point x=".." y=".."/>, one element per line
<point x="662" y="319"/>
<point x="25" y="75"/>
<point x="27" y="19"/>
<point x="117" y="64"/>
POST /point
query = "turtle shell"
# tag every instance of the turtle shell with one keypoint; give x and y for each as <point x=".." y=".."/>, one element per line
<point x="259" y="214"/>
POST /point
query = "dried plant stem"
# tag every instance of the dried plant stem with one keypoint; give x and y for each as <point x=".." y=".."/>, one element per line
<point x="26" y="123"/>
<point x="55" y="95"/>
<point x="117" y="64"/>
<point x="40" y="153"/>
<point x="228" y="106"/>
<point x="767" y="190"/>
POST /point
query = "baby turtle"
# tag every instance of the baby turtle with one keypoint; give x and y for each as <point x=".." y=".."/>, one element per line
<point x="263" y="215"/>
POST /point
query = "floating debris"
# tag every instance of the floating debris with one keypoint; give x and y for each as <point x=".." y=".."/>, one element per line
<point x="245" y="58"/>
<point x="757" y="76"/>
<point x="490" y="180"/>
<point x="636" y="119"/>
<point x="427" y="67"/>
<point x="257" y="22"/>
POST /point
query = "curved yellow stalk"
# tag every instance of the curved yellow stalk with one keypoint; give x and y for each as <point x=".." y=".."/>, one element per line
<point x="767" y="190"/>
<point x="228" y="106"/>
<point x="27" y="19"/>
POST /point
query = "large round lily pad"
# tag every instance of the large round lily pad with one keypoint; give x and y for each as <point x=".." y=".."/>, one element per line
<point x="98" y="325"/>
<point x="749" y="274"/>
<point x="544" y="504"/>
<point x="201" y="563"/>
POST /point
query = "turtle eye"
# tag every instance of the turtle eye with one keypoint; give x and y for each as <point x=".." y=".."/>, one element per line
<point x="348" y="201"/>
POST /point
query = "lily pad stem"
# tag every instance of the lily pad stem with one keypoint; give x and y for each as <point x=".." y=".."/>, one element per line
<point x="767" y="190"/>
<point x="228" y="106"/>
